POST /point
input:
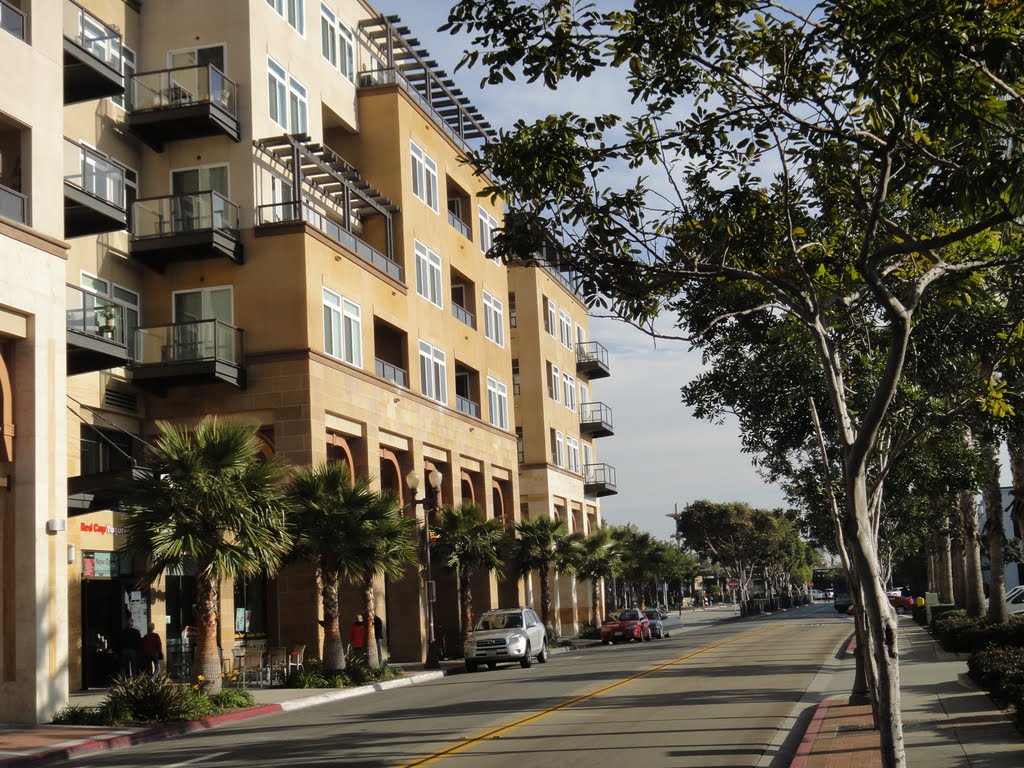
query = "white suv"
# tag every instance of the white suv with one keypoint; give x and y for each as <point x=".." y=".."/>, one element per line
<point x="506" y="634"/>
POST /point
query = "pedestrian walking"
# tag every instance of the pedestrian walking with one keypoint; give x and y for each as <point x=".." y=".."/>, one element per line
<point x="152" y="651"/>
<point x="131" y="640"/>
<point x="357" y="636"/>
<point x="378" y="632"/>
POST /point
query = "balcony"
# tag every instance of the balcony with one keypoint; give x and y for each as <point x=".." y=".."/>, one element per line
<point x="192" y="352"/>
<point x="101" y="490"/>
<point x="599" y="480"/>
<point x="392" y="373"/>
<point x="97" y="332"/>
<point x="464" y="315"/>
<point x="175" y="228"/>
<point x="12" y="205"/>
<point x="592" y="360"/>
<point x="596" y="420"/>
<point x="92" y="56"/>
<point x="460" y="225"/>
<point x="12" y="20"/>
<point x="467" y="406"/>
<point x="183" y="103"/>
<point x="93" y="192"/>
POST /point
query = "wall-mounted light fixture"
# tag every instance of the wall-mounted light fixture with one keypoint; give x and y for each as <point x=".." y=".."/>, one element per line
<point x="56" y="525"/>
<point x="72" y="551"/>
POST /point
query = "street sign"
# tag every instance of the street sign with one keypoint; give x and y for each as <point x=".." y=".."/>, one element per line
<point x="733" y="583"/>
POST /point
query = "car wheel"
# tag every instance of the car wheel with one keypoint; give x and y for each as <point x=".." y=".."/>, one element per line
<point x="492" y="665"/>
<point x="606" y="642"/>
<point x="901" y="610"/>
<point x="527" y="661"/>
<point x="470" y="666"/>
<point x="542" y="657"/>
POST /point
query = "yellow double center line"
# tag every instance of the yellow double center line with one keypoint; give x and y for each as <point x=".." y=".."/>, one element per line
<point x="503" y="729"/>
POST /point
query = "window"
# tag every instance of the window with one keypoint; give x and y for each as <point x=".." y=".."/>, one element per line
<point x="200" y="56"/>
<point x="197" y="340"/>
<point x="281" y="196"/>
<point x="487" y="226"/>
<point x="565" y="329"/>
<point x="515" y="377"/>
<point x="512" y="310"/>
<point x="428" y="274"/>
<point x="584" y="396"/>
<point x="433" y="373"/>
<point x="337" y="43"/>
<point x="554" y="382"/>
<point x="588" y="454"/>
<point x="424" y="177"/>
<point x="581" y="338"/>
<point x="202" y="179"/>
<point x="569" y="391"/>
<point x="497" y="403"/>
<point x="549" y="316"/>
<point x="342" y="328"/>
<point x="287" y="99"/>
<point x="572" y="451"/>
<point x="292" y="11"/>
<point x="520" y="447"/>
<point x="127" y="70"/>
<point x="494" y="320"/>
<point x="556" y="447"/>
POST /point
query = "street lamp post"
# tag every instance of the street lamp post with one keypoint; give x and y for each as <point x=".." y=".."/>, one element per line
<point x="429" y="502"/>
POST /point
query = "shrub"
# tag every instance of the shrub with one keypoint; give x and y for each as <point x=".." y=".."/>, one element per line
<point x="947" y="627"/>
<point x="79" y="715"/>
<point x="920" y="614"/>
<point x="147" y="699"/>
<point x="589" y="631"/>
<point x="1000" y="670"/>
<point x="233" y="698"/>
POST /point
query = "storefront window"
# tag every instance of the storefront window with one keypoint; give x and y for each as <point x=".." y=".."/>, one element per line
<point x="251" y="607"/>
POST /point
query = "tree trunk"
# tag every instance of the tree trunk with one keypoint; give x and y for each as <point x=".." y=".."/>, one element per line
<point x="944" y="570"/>
<point x="974" y="599"/>
<point x="931" y="562"/>
<point x="882" y="651"/>
<point x="1015" y="447"/>
<point x="466" y="601"/>
<point x="595" y="601"/>
<point x="959" y="562"/>
<point x="334" y="648"/>
<point x="369" y="613"/>
<point x="545" y="598"/>
<point x="995" y="536"/>
<point x="206" y="665"/>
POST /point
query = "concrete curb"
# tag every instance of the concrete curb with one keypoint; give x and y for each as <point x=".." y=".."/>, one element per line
<point x="806" y="748"/>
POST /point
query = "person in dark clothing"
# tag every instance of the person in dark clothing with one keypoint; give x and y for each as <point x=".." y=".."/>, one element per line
<point x="357" y="635"/>
<point x="131" y="641"/>
<point x="152" y="651"/>
<point x="378" y="631"/>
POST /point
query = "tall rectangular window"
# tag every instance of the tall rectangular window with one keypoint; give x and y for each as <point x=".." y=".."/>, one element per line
<point x="342" y="328"/>
<point x="428" y="274"/>
<point x="127" y="70"/>
<point x="512" y="319"/>
<point x="573" y="454"/>
<point x="554" y="382"/>
<point x="433" y="373"/>
<point x="494" y="320"/>
<point x="487" y="226"/>
<point x="515" y="377"/>
<point x="292" y="11"/>
<point x="287" y="99"/>
<point x="337" y="43"/>
<point x="558" y="449"/>
<point x="549" y="316"/>
<point x="520" y="446"/>
<point x="424" y="177"/>
<point x="569" y="391"/>
<point x="297" y="110"/>
<point x="565" y="328"/>
<point x="497" y="403"/>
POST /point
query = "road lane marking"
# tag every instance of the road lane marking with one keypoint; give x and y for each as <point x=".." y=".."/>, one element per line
<point x="199" y="759"/>
<point x="501" y="730"/>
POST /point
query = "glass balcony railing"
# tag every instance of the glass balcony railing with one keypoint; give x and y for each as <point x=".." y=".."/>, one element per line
<point x="280" y="212"/>
<point x="183" y="87"/>
<point x="391" y="372"/>
<point x="181" y="214"/>
<point x="464" y="315"/>
<point x="599" y="474"/>
<point x="99" y="40"/>
<point x="591" y="352"/>
<point x="191" y="341"/>
<point x="12" y="20"/>
<point x="596" y="413"/>
<point x="98" y="316"/>
<point x="467" y="406"/>
<point x="93" y="173"/>
<point x="12" y="205"/>
<point x="460" y="225"/>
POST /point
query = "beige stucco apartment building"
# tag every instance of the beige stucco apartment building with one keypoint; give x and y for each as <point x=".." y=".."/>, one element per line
<point x="257" y="209"/>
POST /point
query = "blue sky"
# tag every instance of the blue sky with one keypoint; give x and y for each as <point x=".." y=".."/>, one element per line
<point x="662" y="455"/>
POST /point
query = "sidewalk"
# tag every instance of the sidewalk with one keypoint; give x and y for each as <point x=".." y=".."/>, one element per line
<point x="947" y="720"/>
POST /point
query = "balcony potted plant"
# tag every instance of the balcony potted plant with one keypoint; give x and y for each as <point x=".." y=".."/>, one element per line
<point x="106" y="319"/>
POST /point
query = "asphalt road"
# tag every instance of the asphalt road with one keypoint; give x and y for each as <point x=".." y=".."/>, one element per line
<point x="716" y="694"/>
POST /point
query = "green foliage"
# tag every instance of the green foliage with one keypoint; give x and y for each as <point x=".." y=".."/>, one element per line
<point x="233" y="698"/>
<point x="81" y="715"/>
<point x="589" y="631"/>
<point x="358" y="671"/>
<point x="157" y="699"/>
<point x="920" y="614"/>
<point x="465" y="539"/>
<point x="999" y="669"/>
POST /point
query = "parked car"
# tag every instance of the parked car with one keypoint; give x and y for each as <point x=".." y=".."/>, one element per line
<point x="626" y="625"/>
<point x="657" y="620"/>
<point x="818" y="594"/>
<point x="507" y="634"/>
<point x="1015" y="604"/>
<point x="842" y="602"/>
<point x="901" y="604"/>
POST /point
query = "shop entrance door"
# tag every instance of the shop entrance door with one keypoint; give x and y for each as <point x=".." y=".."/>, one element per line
<point x="102" y="611"/>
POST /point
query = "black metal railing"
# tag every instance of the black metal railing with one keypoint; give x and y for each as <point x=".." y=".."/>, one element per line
<point x="599" y="474"/>
<point x="12" y="20"/>
<point x="464" y="315"/>
<point x="93" y="173"/>
<point x="180" y="214"/>
<point x="99" y="40"/>
<point x="190" y="341"/>
<point x="93" y="314"/>
<point x="392" y="373"/>
<point x="12" y="205"/>
<point x="591" y="352"/>
<point x="183" y="87"/>
<point x="283" y="212"/>
<point x="467" y="406"/>
<point x="460" y="225"/>
<point x="596" y="413"/>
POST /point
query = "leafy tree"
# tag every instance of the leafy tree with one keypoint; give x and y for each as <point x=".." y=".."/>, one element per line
<point x="211" y="500"/>
<point x="466" y="541"/>
<point x="598" y="559"/>
<point x="533" y="549"/>
<point x="826" y="169"/>
<point x="641" y="559"/>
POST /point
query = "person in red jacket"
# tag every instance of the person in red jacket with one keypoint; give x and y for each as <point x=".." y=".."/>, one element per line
<point x="357" y="636"/>
<point x="152" y="651"/>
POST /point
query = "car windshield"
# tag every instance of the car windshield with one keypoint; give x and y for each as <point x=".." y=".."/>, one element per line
<point x="652" y="614"/>
<point x="499" y="621"/>
<point x="625" y="616"/>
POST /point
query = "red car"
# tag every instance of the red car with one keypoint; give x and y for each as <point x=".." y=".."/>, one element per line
<point x="901" y="604"/>
<point x="623" y="626"/>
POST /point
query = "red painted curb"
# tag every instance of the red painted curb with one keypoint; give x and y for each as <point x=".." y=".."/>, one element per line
<point x="157" y="733"/>
<point x="806" y="748"/>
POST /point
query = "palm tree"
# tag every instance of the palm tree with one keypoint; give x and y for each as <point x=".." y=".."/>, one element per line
<point x="466" y="541"/>
<point x="353" y="533"/>
<point x="211" y="500"/>
<point x="534" y="550"/>
<point x="598" y="559"/>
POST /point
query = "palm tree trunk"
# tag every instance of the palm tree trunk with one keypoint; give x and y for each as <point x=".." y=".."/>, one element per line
<point x="334" y="648"/>
<point x="959" y="564"/>
<point x="995" y="535"/>
<point x="206" y="660"/>
<point x="595" y="601"/>
<point x="974" y="599"/>
<point x="944" y="570"/>
<point x="368" y="617"/>
<point x="466" y="601"/>
<point x="545" y="598"/>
